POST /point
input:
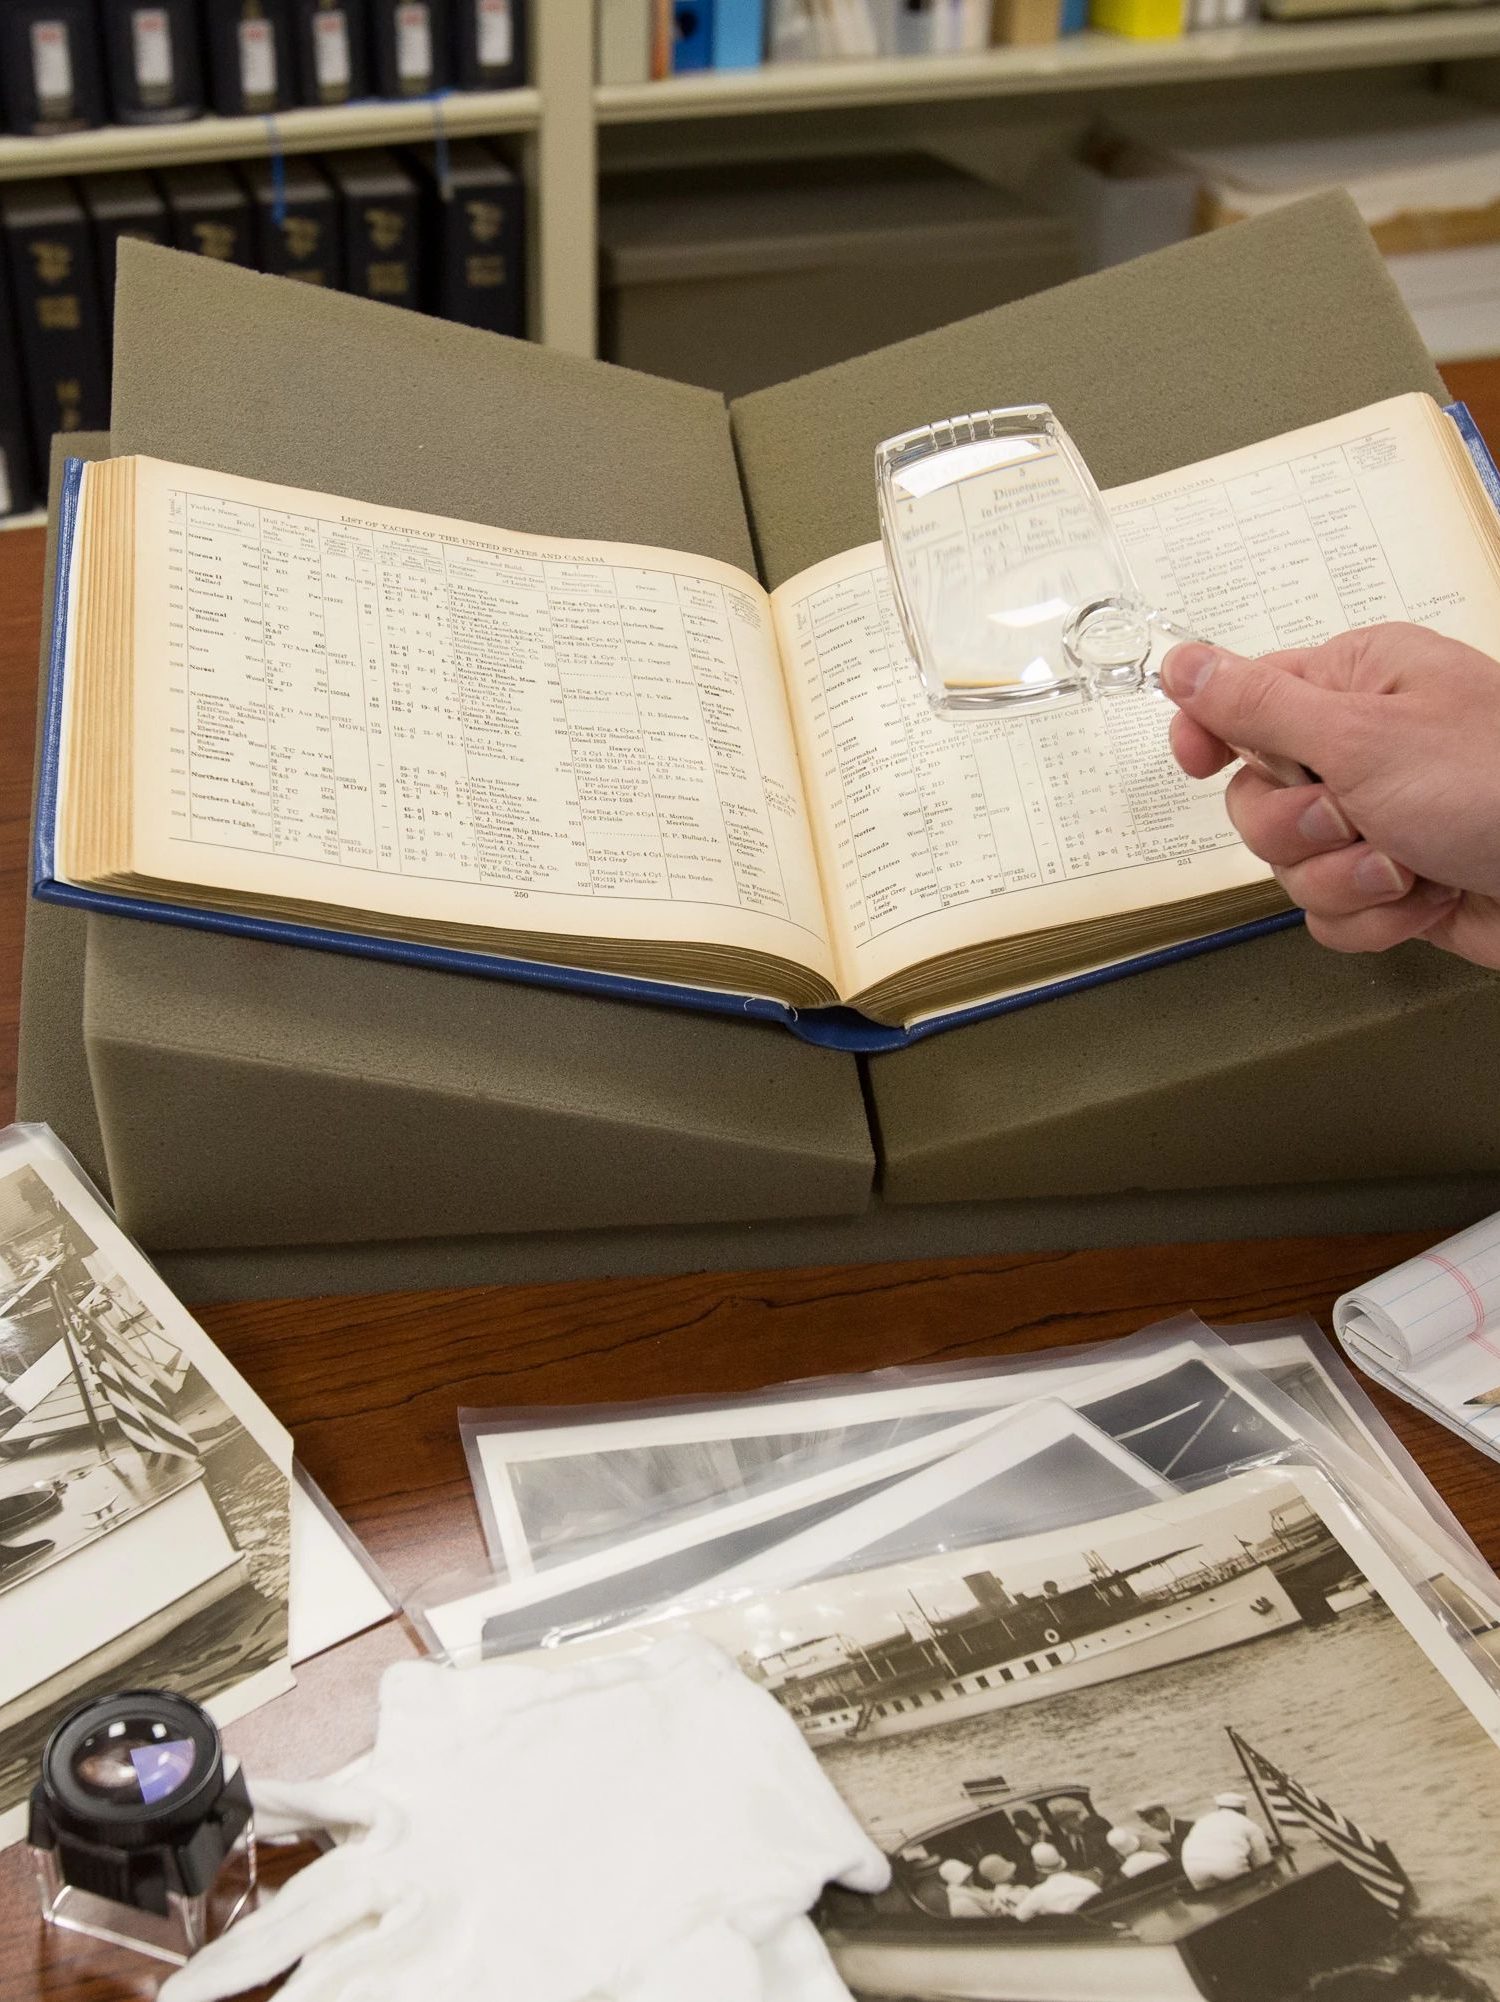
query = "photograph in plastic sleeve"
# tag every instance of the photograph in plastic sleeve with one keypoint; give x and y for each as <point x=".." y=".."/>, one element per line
<point x="145" y="1490"/>
<point x="1127" y="1760"/>
<point x="1039" y="1465"/>
<point x="551" y="1494"/>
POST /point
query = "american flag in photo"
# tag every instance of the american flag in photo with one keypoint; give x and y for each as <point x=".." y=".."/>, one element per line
<point x="135" y="1394"/>
<point x="1292" y="1805"/>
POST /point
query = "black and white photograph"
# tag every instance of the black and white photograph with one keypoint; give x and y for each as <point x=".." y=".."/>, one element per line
<point x="1219" y="1746"/>
<point x="144" y="1490"/>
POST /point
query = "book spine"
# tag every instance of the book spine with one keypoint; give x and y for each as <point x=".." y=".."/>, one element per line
<point x="149" y="225"/>
<point x="154" y="62"/>
<point x="624" y="41"/>
<point x="331" y="39"/>
<point x="249" y="56"/>
<point x="489" y="44"/>
<point x="51" y="77"/>
<point x="17" y="482"/>
<point x="411" y="47"/>
<point x="380" y="247"/>
<point x="663" y="34"/>
<point x="481" y="236"/>
<point x="61" y="326"/>
<point x="692" y="36"/>
<point x="216" y="226"/>
<point x="303" y="241"/>
<point x="739" y="34"/>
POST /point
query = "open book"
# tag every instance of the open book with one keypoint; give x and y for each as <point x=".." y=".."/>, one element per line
<point x="598" y="765"/>
<point x="1430" y="1331"/>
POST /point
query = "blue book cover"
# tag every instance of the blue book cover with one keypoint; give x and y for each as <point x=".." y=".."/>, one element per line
<point x="833" y="1028"/>
<point x="739" y="34"/>
<point x="692" y="35"/>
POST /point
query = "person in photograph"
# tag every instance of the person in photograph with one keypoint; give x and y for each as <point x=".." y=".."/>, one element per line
<point x="1057" y="1891"/>
<point x="1224" y="1844"/>
<point x="999" y="1874"/>
<point x="1132" y="1858"/>
<point x="966" y="1899"/>
<point x="1161" y="1829"/>
<point x="1083" y="1838"/>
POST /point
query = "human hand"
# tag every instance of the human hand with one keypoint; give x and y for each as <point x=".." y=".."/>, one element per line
<point x="1399" y="838"/>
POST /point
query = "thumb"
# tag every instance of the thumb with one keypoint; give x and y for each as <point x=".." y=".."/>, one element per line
<point x="1257" y="704"/>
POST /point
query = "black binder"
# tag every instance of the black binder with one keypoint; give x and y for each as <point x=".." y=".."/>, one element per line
<point x="296" y="222"/>
<point x="51" y="77"/>
<point x="208" y="212"/>
<point x="410" y="47"/>
<point x="120" y="205"/>
<point x="472" y="238"/>
<point x="489" y="44"/>
<point x="153" y="57"/>
<point x="378" y="225"/>
<point x="17" y="481"/>
<point x="63" y="345"/>
<point x="249" y="50"/>
<point x="332" y="39"/>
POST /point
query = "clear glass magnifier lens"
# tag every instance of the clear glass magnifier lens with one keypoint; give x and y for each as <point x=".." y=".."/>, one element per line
<point x="1011" y="585"/>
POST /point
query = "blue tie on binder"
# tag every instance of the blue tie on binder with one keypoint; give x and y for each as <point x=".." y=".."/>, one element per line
<point x="739" y="34"/>
<point x="692" y="35"/>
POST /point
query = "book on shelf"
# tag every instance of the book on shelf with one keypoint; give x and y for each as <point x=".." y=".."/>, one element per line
<point x="377" y="201"/>
<point x="51" y="79"/>
<point x="296" y="221"/>
<point x="473" y="214"/>
<point x="489" y="44"/>
<point x="633" y="770"/>
<point x="248" y="51"/>
<point x="331" y="39"/>
<point x="56" y="293"/>
<point x="209" y="213"/>
<point x="409" y="43"/>
<point x="153" y="57"/>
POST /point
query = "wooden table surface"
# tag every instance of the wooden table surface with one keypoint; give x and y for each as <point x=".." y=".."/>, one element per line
<point x="370" y="1387"/>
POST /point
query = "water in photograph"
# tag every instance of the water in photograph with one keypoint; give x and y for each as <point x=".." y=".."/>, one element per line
<point x="1352" y="1709"/>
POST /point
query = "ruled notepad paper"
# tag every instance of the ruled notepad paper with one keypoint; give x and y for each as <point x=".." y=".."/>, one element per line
<point x="1430" y="1329"/>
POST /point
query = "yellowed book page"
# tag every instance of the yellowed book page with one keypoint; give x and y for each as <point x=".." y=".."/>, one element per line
<point x="940" y="834"/>
<point x="352" y="705"/>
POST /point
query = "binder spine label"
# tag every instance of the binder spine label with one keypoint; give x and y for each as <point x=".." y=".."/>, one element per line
<point x="497" y="34"/>
<point x="151" y="46"/>
<point x="332" y="68"/>
<point x="52" y="68"/>
<point x="414" y="46"/>
<point x="258" y="65"/>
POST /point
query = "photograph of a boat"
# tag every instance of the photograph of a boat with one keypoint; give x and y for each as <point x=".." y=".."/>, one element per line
<point x="1007" y="1648"/>
<point x="1146" y="1938"/>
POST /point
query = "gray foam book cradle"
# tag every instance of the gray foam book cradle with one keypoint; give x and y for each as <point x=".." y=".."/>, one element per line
<point x="273" y="1120"/>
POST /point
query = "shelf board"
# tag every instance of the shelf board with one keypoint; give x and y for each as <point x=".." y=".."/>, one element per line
<point x="329" y="129"/>
<point x="1086" y="61"/>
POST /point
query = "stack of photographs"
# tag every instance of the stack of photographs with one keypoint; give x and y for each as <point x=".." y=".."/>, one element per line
<point x="1156" y="1667"/>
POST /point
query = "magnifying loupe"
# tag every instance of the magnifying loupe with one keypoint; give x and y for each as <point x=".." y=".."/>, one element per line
<point x="1011" y="583"/>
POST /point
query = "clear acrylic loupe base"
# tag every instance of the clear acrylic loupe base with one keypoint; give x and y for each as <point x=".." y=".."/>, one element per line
<point x="1011" y="584"/>
<point x="172" y="1935"/>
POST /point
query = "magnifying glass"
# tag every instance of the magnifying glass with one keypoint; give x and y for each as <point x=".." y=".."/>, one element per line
<point x="1012" y="587"/>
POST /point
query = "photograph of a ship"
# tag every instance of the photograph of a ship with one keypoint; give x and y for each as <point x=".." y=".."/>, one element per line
<point x="1194" y="1754"/>
<point x="144" y="1531"/>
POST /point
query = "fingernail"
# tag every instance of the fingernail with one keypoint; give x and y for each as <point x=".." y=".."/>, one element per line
<point x="1323" y="822"/>
<point x="1378" y="876"/>
<point x="1186" y="669"/>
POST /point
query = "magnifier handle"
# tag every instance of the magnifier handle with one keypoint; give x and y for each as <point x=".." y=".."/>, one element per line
<point x="1279" y="771"/>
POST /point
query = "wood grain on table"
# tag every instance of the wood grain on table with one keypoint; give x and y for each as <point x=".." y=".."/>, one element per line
<point x="370" y="1387"/>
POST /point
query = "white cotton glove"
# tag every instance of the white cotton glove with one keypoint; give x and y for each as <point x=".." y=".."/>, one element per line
<point x="636" y="1828"/>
